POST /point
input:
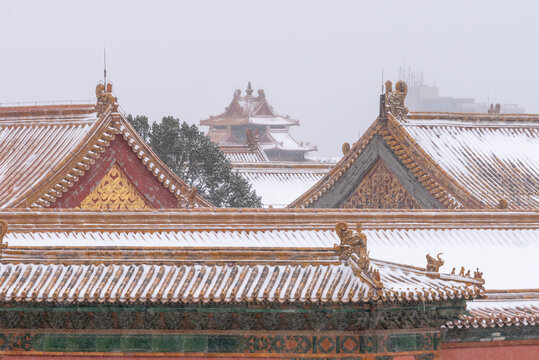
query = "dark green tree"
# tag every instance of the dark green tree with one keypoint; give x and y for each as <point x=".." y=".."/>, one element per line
<point x="197" y="161"/>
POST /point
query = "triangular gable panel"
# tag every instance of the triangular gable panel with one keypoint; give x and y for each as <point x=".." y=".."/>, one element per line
<point x="377" y="178"/>
<point x="380" y="189"/>
<point x="115" y="192"/>
<point x="118" y="154"/>
<point x="234" y="109"/>
<point x="264" y="110"/>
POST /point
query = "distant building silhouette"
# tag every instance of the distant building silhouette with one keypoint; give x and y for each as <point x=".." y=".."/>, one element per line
<point x="427" y="98"/>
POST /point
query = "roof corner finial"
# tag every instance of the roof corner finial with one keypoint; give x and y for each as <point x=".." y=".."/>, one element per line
<point x="394" y="100"/>
<point x="353" y="247"/>
<point x="261" y="94"/>
<point x="249" y="89"/>
<point x="434" y="265"/>
<point x="105" y="98"/>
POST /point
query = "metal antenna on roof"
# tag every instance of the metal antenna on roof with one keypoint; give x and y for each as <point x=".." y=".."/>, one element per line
<point x="105" y="66"/>
<point x="382" y="79"/>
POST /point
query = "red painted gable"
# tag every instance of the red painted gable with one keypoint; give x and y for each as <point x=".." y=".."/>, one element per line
<point x="119" y="152"/>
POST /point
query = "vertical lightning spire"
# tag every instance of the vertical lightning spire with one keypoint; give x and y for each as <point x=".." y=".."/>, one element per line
<point x="105" y="66"/>
<point x="382" y="80"/>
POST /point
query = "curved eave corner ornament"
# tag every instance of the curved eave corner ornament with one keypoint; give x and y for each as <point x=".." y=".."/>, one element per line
<point x="3" y="231"/>
<point x="434" y="265"/>
<point x="394" y="100"/>
<point x="105" y="98"/>
<point x="353" y="249"/>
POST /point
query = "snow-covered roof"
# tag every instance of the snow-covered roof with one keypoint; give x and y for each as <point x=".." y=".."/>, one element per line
<point x="282" y="140"/>
<point x="244" y="153"/>
<point x="512" y="238"/>
<point x="516" y="308"/>
<point x="206" y="255"/>
<point x="279" y="183"/>
<point x="47" y="149"/>
<point x="493" y="157"/>
<point x="462" y="160"/>
<point x="36" y="140"/>
<point x="249" y="109"/>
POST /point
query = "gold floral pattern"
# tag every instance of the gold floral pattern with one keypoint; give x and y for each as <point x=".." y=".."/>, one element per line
<point x="380" y="189"/>
<point x="114" y="192"/>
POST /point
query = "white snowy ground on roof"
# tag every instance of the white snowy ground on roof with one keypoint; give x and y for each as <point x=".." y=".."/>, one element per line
<point x="482" y="157"/>
<point x="508" y="258"/>
<point x="280" y="189"/>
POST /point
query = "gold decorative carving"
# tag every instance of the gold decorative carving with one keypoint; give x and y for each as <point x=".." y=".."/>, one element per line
<point x="394" y="100"/>
<point x="345" y="148"/>
<point x="114" y="192"/>
<point x="353" y="247"/>
<point x="105" y="98"/>
<point x="380" y="189"/>
<point x="253" y="138"/>
<point x="433" y="265"/>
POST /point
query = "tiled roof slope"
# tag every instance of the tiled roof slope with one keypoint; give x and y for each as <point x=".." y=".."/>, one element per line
<point x="494" y="157"/>
<point x="46" y="149"/>
<point x="227" y="281"/>
<point x="188" y="236"/>
<point x="474" y="161"/>
<point x="279" y="183"/>
<point x="244" y="153"/>
<point x="517" y="308"/>
<point x="204" y="256"/>
<point x="36" y="141"/>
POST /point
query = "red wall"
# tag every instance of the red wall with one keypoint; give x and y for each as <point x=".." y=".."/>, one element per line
<point x="120" y="152"/>
<point x="502" y="352"/>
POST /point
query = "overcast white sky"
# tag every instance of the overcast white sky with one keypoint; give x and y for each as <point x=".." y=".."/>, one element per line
<point x="318" y="61"/>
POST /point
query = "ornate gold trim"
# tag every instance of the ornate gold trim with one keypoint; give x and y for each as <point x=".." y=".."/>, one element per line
<point x="115" y="192"/>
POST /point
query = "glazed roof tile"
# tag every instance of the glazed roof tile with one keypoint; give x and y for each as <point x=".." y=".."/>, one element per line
<point x="45" y="149"/>
<point x="493" y="157"/>
<point x="193" y="283"/>
<point x="278" y="184"/>
<point x="500" y="309"/>
<point x="464" y="160"/>
<point x="35" y="143"/>
<point x="282" y="235"/>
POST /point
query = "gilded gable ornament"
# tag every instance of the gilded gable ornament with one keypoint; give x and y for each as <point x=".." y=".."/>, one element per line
<point x="105" y="98"/>
<point x="114" y="192"/>
<point x="380" y="189"/>
<point x="394" y="100"/>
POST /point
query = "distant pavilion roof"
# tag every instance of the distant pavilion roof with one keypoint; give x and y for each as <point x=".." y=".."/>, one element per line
<point x="249" y="109"/>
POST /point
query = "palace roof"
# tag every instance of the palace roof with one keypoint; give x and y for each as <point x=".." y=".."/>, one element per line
<point x="499" y="308"/>
<point x="259" y="255"/>
<point x="221" y="255"/>
<point x="47" y="150"/>
<point x="441" y="160"/>
<point x="249" y="109"/>
<point x="279" y="183"/>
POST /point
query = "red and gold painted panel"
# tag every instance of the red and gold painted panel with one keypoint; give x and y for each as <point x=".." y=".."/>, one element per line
<point x="380" y="189"/>
<point x="117" y="169"/>
<point x="114" y="192"/>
